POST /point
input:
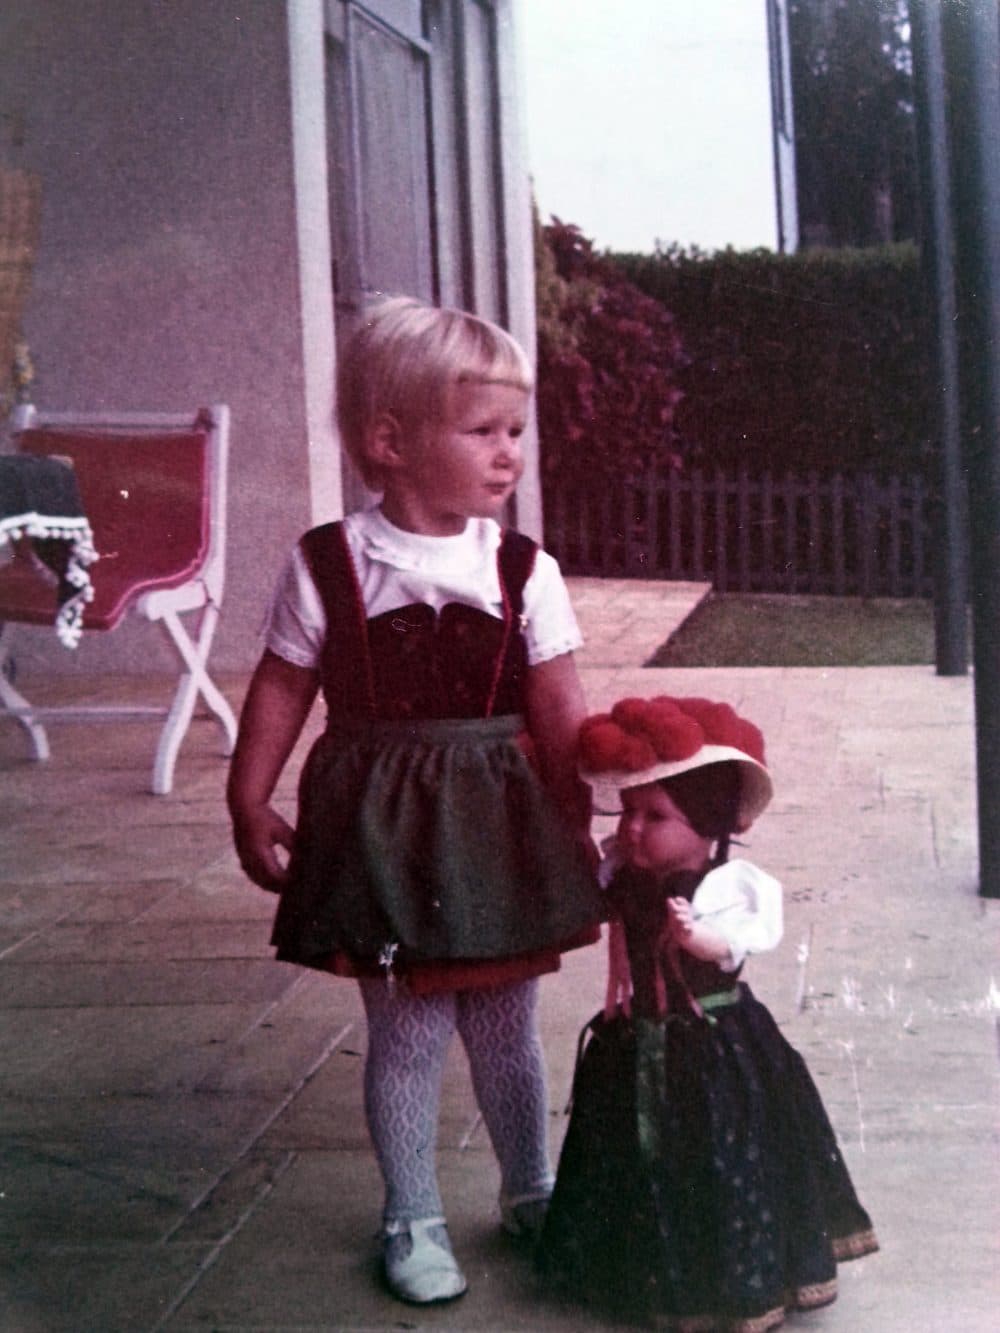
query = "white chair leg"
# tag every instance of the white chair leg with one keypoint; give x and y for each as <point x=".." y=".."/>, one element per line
<point x="196" y="657"/>
<point x="173" y="732"/>
<point x="18" y="706"/>
<point x="193" y="682"/>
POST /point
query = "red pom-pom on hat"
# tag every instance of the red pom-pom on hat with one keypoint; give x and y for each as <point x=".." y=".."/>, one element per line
<point x="636" y="734"/>
<point x="629" y="713"/>
<point x="639" y="733"/>
<point x="718" y="720"/>
<point x="722" y="725"/>
<point x="751" y="740"/>
<point x="672" y="734"/>
<point x="648" y="740"/>
<point x="604" y="746"/>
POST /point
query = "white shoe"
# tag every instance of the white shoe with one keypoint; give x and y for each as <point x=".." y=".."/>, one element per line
<point x="419" y="1265"/>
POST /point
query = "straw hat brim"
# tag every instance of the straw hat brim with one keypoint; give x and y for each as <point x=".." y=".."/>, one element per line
<point x="755" y="789"/>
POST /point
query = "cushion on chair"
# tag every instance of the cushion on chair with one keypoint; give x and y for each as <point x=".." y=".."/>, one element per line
<point x="147" y="499"/>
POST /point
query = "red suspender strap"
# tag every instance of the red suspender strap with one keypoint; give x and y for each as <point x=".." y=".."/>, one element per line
<point x="515" y="561"/>
<point x="346" y="662"/>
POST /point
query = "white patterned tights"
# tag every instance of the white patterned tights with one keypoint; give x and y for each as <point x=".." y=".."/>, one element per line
<point x="408" y="1038"/>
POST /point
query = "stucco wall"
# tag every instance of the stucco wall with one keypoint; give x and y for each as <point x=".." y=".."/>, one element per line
<point x="167" y="273"/>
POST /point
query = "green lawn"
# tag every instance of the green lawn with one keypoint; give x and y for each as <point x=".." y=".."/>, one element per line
<point x="736" y="629"/>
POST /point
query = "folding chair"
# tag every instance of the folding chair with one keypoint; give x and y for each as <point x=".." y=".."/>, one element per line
<point x="153" y="488"/>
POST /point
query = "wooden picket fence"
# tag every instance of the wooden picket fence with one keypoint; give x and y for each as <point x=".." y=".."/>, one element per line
<point x="843" y="534"/>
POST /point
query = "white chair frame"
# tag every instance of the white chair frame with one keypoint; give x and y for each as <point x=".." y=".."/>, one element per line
<point x="202" y="594"/>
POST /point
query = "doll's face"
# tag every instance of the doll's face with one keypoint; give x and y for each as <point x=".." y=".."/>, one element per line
<point x="654" y="834"/>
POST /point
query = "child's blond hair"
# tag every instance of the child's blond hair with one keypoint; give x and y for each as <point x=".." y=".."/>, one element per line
<point x="405" y="360"/>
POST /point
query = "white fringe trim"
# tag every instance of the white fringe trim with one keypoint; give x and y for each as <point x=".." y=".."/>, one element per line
<point x="82" y="554"/>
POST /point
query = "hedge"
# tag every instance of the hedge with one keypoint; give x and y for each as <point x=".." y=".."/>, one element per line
<point x="816" y="360"/>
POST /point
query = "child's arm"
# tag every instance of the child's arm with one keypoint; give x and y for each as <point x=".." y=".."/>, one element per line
<point x="695" y="937"/>
<point x="555" y="707"/>
<point x="276" y="707"/>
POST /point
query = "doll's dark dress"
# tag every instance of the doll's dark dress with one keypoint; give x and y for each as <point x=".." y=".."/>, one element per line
<point x="700" y="1181"/>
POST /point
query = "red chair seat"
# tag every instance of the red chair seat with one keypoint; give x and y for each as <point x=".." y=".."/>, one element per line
<point x="152" y="486"/>
<point x="137" y="493"/>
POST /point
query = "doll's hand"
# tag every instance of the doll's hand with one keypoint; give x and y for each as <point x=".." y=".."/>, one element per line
<point x="257" y="834"/>
<point x="680" y="914"/>
<point x="693" y="936"/>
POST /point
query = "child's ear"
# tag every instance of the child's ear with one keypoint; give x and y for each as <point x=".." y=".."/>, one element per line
<point x="384" y="446"/>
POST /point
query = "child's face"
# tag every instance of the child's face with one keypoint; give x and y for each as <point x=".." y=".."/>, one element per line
<point x="465" y="468"/>
<point x="653" y="833"/>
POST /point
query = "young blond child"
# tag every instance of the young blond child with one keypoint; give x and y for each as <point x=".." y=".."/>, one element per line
<point x="700" y="1183"/>
<point x="440" y="852"/>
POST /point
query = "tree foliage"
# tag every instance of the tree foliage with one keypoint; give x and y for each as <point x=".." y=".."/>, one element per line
<point x="854" y="134"/>
<point x="608" y="362"/>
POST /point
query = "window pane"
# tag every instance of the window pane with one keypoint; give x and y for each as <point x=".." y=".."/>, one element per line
<point x="483" y="158"/>
<point x="391" y="119"/>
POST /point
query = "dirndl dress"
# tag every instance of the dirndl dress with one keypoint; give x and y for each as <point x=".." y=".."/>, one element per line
<point x="700" y="1185"/>
<point x="426" y="846"/>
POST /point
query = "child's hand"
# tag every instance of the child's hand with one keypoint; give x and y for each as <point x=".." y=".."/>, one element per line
<point x="257" y="833"/>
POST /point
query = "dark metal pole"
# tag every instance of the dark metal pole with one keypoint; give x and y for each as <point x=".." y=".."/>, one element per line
<point x="971" y="43"/>
<point x="937" y="252"/>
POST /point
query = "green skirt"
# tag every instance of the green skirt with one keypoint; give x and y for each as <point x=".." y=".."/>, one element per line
<point x="429" y="841"/>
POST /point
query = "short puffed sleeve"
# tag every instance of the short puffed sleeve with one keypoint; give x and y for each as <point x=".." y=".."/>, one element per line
<point x="742" y="903"/>
<point x="295" y="623"/>
<point x="550" y="627"/>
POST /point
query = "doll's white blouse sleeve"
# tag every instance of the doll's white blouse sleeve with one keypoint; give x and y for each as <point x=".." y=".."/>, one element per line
<point x="742" y="903"/>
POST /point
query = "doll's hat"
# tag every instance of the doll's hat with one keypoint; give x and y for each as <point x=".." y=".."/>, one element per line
<point x="644" y="740"/>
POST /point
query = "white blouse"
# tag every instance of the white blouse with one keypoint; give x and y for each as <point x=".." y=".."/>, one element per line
<point x="741" y="902"/>
<point x="397" y="568"/>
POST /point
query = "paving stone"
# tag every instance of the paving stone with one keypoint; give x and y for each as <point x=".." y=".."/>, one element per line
<point x="183" y="1143"/>
<point x="206" y="981"/>
<point x="64" y="1289"/>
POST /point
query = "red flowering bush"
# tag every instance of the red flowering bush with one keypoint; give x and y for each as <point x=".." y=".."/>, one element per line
<point x="608" y="363"/>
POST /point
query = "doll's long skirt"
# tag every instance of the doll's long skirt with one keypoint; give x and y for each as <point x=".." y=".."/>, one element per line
<point x="700" y="1181"/>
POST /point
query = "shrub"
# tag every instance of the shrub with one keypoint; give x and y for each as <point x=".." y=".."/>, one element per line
<point x="816" y="360"/>
<point x="608" y="363"/>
